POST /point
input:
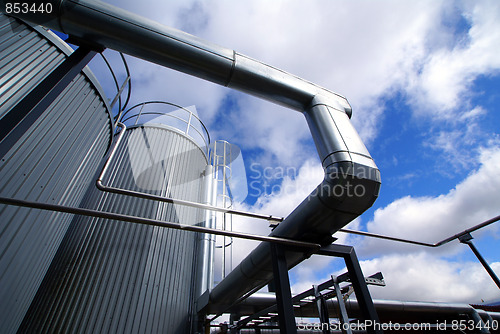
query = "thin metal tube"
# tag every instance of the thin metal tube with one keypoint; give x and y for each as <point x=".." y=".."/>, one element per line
<point x="153" y="222"/>
<point x="468" y="241"/>
<point x="129" y="91"/>
<point x="420" y="243"/>
<point x="205" y="140"/>
<point x="102" y="187"/>
<point x="385" y="237"/>
<point x="117" y="86"/>
<point x="384" y="307"/>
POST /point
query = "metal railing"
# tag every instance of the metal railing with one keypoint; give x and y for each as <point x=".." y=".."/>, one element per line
<point x="169" y="114"/>
<point x="119" y="89"/>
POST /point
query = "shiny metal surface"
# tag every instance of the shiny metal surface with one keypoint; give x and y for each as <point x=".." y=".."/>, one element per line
<point x="178" y="201"/>
<point x="183" y="119"/>
<point x="121" y="277"/>
<point x="327" y="209"/>
<point x="126" y="32"/>
<point x="54" y="162"/>
<point x="388" y="310"/>
<point x="345" y="159"/>
<point x="207" y="241"/>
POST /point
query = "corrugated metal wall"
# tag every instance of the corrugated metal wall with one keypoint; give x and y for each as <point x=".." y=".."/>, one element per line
<point x="54" y="162"/>
<point x="118" y="277"/>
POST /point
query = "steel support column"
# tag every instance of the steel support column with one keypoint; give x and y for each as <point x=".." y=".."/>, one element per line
<point x="322" y="309"/>
<point x="286" y="315"/>
<point x="21" y="117"/>
<point x="358" y="282"/>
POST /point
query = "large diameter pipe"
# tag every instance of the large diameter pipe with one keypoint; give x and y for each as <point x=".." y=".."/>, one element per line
<point x="350" y="186"/>
<point x="114" y="28"/>
<point x="352" y="180"/>
<point x="207" y="241"/>
<point x="388" y="310"/>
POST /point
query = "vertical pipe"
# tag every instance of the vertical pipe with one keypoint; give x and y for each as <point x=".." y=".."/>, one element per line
<point x="207" y="241"/>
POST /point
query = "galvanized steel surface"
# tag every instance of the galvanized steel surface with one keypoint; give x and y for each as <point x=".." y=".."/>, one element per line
<point x="119" y="277"/>
<point x="53" y="162"/>
<point x="126" y="32"/>
<point x="345" y="159"/>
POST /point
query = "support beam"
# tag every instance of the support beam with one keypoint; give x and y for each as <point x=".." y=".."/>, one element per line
<point x="467" y="239"/>
<point x="286" y="315"/>
<point x="358" y="281"/>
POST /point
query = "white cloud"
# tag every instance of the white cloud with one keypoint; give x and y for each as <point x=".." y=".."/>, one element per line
<point x="360" y="49"/>
<point x="417" y="273"/>
<point x="295" y="187"/>
<point x="422" y="277"/>
<point x="441" y="89"/>
<point x="431" y="219"/>
<point x="366" y="51"/>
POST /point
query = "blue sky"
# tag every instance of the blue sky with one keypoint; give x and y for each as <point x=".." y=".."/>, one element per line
<point x="423" y="80"/>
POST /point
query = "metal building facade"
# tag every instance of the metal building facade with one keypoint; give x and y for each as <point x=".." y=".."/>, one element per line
<point x="54" y="162"/>
<point x="118" y="277"/>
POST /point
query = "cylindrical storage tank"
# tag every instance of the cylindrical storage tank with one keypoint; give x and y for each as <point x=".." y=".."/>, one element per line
<point x="119" y="277"/>
<point x="54" y="162"/>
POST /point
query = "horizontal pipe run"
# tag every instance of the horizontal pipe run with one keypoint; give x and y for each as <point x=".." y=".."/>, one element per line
<point x="197" y="205"/>
<point x="117" y="29"/>
<point x="126" y="192"/>
<point x="153" y="222"/>
<point x="385" y="237"/>
<point x="346" y="161"/>
<point x="387" y="308"/>
<point x="420" y="243"/>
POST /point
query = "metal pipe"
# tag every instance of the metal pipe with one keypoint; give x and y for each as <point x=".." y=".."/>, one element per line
<point x="347" y="164"/>
<point x="421" y="243"/>
<point x="126" y="192"/>
<point x="350" y="186"/>
<point x="385" y="308"/>
<point x="126" y="32"/>
<point x="207" y="241"/>
<point x="153" y="222"/>
<point x="467" y="239"/>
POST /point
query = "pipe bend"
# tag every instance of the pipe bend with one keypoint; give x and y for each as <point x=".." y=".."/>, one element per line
<point x="352" y="180"/>
<point x="350" y="186"/>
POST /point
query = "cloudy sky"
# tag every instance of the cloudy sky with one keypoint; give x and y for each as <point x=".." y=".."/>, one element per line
<point x="423" y="81"/>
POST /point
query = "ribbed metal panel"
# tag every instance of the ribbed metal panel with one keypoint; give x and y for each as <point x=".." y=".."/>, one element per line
<point x="118" y="277"/>
<point x="54" y="162"/>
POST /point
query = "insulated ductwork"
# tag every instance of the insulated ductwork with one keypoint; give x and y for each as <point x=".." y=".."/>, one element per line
<point x="352" y="180"/>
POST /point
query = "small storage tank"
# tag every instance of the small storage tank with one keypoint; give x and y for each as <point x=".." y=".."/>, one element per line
<point x="54" y="162"/>
<point x="119" y="277"/>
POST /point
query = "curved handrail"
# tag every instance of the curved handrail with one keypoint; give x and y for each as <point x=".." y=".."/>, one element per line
<point x="119" y="90"/>
<point x="198" y="126"/>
